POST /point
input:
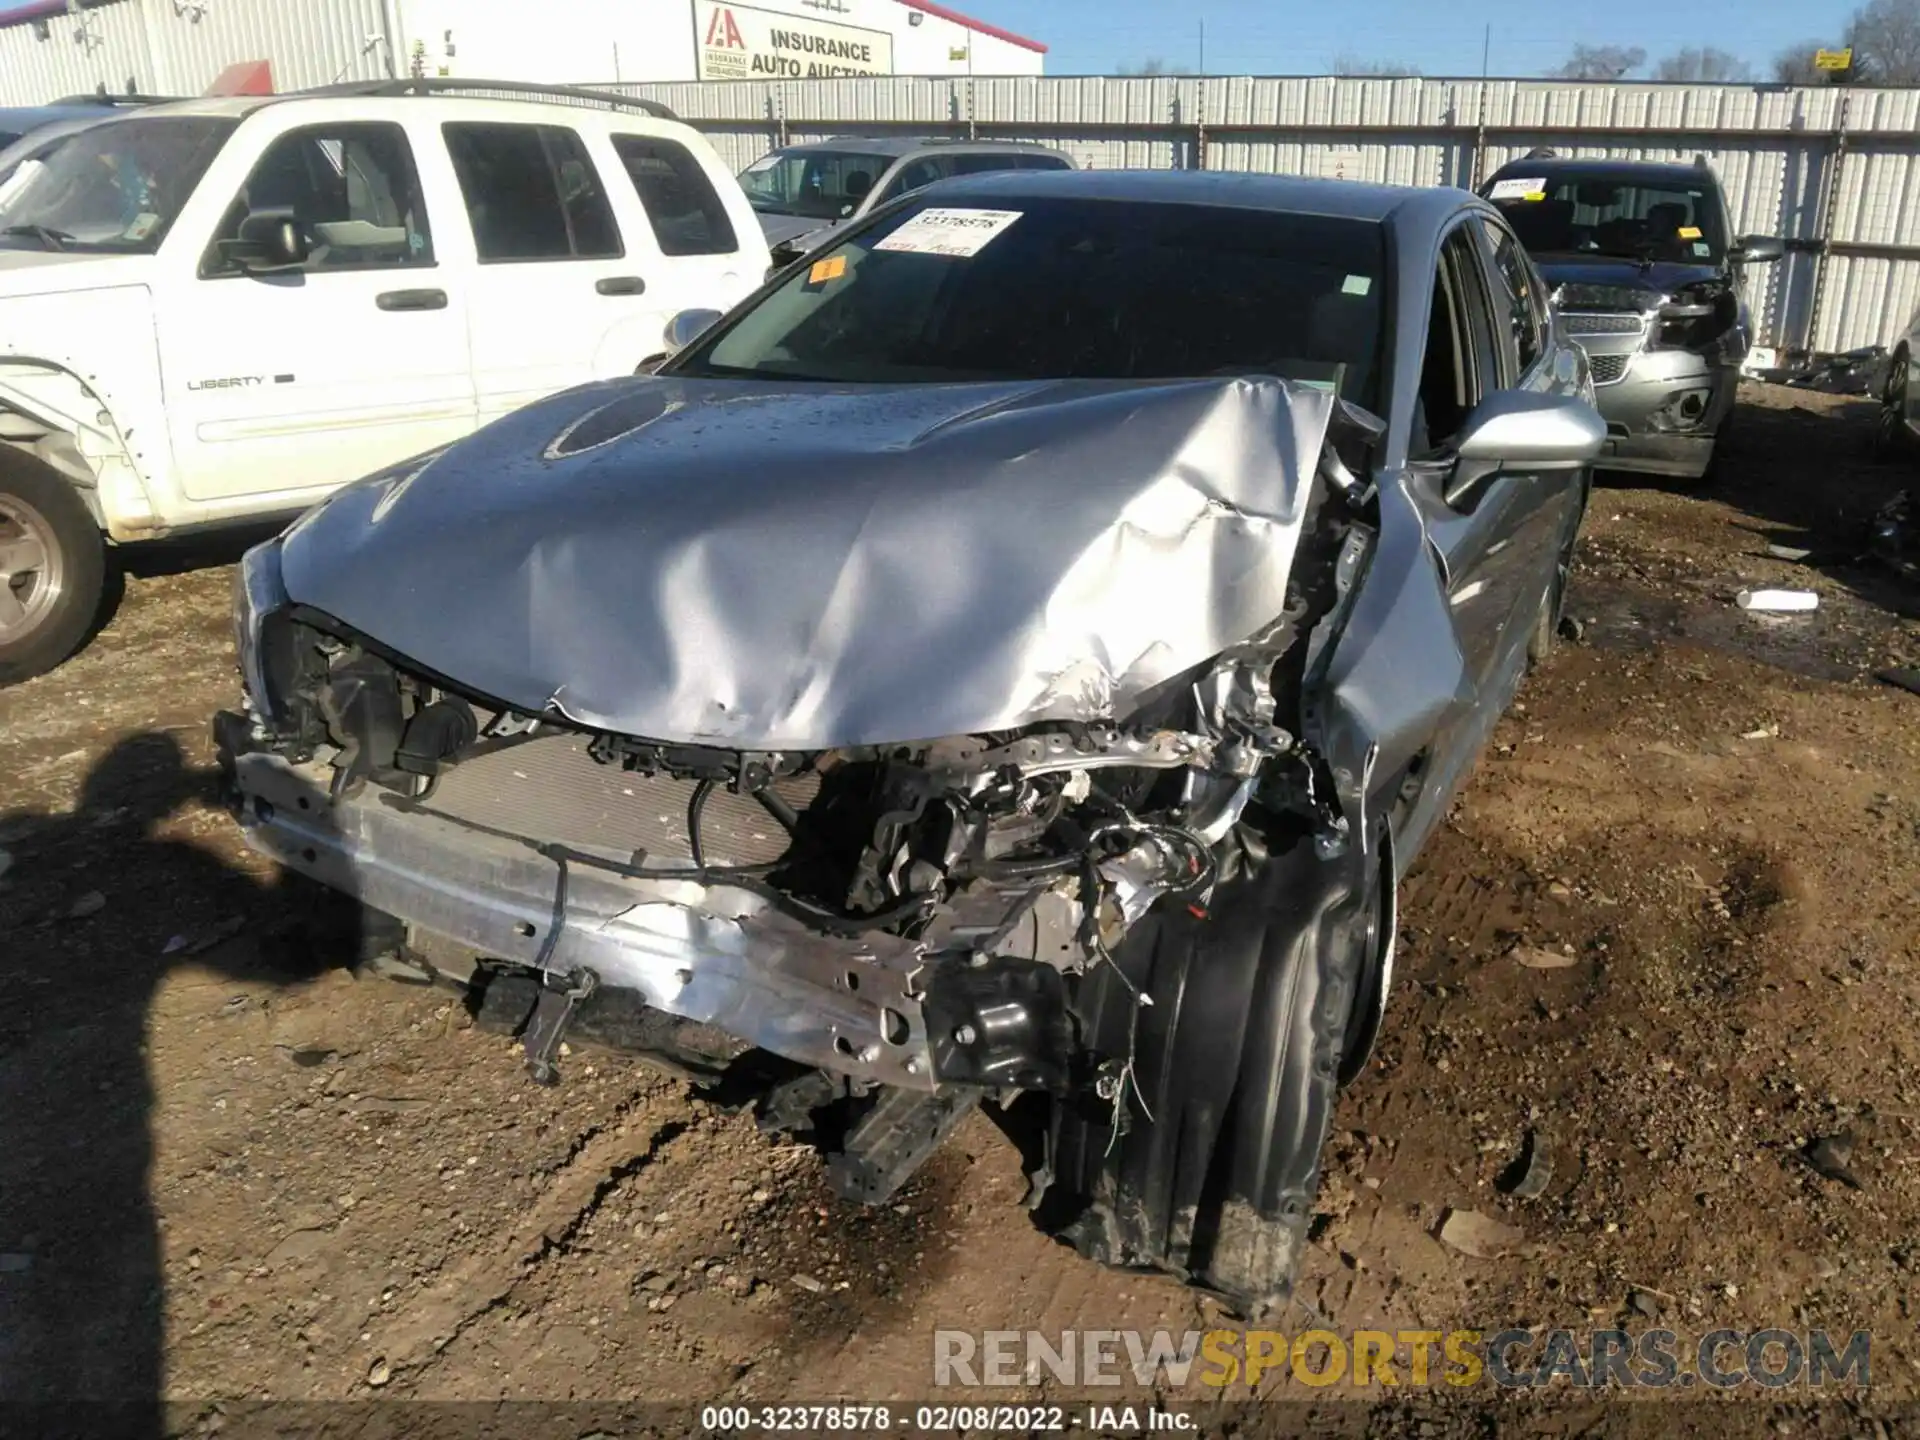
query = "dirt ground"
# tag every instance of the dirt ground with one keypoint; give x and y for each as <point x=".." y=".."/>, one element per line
<point x="230" y="1171"/>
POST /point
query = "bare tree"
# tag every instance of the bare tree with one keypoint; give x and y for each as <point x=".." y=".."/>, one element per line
<point x="1350" y="64"/>
<point x="1884" y="36"/>
<point x="1794" y="65"/>
<point x="1602" y="62"/>
<point x="1706" y="64"/>
<point x="1153" y="66"/>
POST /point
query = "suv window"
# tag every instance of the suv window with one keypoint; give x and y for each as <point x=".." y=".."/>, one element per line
<point x="1629" y="219"/>
<point x="531" y="193"/>
<point x="927" y="169"/>
<point x="1518" y="295"/>
<point x="353" y="192"/>
<point x="816" y="184"/>
<point x="115" y="186"/>
<point x="918" y="174"/>
<point x="686" y="212"/>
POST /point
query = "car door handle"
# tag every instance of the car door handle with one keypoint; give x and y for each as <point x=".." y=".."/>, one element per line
<point x="411" y="299"/>
<point x="621" y="285"/>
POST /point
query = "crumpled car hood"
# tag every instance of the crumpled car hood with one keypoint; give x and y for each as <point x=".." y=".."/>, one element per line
<point x="805" y="566"/>
<point x="1653" y="282"/>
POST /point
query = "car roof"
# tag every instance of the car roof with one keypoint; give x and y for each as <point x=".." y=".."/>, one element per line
<point x="233" y="107"/>
<point x="1397" y="206"/>
<point x="22" y="118"/>
<point x="358" y="102"/>
<point x="908" y="145"/>
<point x="1619" y="172"/>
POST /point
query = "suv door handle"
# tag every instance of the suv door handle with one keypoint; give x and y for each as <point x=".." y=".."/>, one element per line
<point x="411" y="299"/>
<point x="621" y="285"/>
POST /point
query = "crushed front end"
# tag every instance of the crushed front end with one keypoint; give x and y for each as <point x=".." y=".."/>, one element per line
<point x="911" y="920"/>
<point x="1665" y="360"/>
<point x="912" y="915"/>
<point x="1132" y="822"/>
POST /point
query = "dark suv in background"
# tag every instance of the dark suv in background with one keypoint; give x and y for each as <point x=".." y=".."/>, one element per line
<point x="803" y="192"/>
<point x="1646" y="278"/>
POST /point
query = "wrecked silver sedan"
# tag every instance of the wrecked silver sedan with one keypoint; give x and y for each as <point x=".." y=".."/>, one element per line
<point x="1011" y="658"/>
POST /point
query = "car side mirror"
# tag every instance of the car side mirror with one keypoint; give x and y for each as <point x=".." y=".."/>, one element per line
<point x="687" y="327"/>
<point x="269" y="241"/>
<point x="1759" y="249"/>
<point x="1523" y="430"/>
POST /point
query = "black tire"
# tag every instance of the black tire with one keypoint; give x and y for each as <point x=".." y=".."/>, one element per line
<point x="1553" y="605"/>
<point x="1237" y="1063"/>
<point x="53" y="606"/>
<point x="1890" y="438"/>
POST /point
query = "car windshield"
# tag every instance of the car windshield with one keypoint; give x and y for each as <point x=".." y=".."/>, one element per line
<point x="817" y="184"/>
<point x="1634" y="221"/>
<point x="1067" y="288"/>
<point x="116" y="186"/>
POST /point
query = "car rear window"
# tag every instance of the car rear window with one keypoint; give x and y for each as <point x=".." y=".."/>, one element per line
<point x="685" y="211"/>
<point x="1075" y="288"/>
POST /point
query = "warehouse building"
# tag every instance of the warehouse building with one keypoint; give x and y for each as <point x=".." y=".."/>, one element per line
<point x="53" y="48"/>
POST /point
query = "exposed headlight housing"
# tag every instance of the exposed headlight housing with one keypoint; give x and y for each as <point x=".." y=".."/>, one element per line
<point x="259" y="593"/>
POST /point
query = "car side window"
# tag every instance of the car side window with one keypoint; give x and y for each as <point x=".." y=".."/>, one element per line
<point x="532" y="193"/>
<point x="1519" y="295"/>
<point x="686" y="212"/>
<point x="1459" y="366"/>
<point x="916" y="175"/>
<point x="353" y="192"/>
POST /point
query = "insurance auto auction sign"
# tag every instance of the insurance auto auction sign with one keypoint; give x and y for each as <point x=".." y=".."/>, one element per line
<point x="737" y="42"/>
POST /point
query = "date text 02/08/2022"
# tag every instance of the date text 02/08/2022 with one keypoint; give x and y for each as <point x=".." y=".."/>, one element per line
<point x="942" y="1419"/>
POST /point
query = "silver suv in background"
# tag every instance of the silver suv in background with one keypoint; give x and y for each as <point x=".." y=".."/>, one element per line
<point x="803" y="192"/>
<point x="1647" y="277"/>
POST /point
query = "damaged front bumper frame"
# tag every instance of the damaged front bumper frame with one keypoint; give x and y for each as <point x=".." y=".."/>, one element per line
<point x="1663" y="408"/>
<point x="713" y="953"/>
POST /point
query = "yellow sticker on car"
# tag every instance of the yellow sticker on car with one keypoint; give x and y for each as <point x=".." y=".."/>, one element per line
<point x="1689" y="232"/>
<point x="831" y="268"/>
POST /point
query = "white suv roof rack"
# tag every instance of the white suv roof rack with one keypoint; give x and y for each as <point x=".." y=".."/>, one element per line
<point x="490" y="89"/>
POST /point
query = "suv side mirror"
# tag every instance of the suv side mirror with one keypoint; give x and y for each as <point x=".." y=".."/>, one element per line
<point x="1758" y="249"/>
<point x="269" y="241"/>
<point x="687" y="327"/>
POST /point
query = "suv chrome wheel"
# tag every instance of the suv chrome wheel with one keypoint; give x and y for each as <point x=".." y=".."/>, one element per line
<point x="32" y="571"/>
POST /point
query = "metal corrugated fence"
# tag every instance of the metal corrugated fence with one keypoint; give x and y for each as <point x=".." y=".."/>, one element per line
<point x="165" y="48"/>
<point x="1833" y="171"/>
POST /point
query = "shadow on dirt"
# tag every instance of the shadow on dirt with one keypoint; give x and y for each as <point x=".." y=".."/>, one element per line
<point x="224" y="546"/>
<point x="99" y="905"/>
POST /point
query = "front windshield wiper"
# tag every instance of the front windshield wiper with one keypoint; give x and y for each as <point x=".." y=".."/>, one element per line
<point x="49" y="238"/>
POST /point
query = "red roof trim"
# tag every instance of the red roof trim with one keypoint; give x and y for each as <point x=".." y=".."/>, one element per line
<point x="972" y="24"/>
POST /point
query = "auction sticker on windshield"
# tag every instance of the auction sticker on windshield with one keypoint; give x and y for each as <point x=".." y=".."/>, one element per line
<point x="1534" y="189"/>
<point x="955" y="232"/>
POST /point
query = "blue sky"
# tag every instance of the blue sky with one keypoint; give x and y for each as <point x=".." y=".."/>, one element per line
<point x="1262" y="38"/>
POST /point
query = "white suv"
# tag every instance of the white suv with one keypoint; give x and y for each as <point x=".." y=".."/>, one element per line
<point x="219" y="310"/>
